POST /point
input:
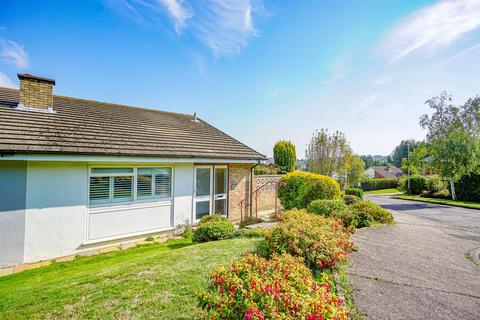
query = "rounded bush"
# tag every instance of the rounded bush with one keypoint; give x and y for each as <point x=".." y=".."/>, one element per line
<point x="278" y="288"/>
<point x="354" y="192"/>
<point x="363" y="209"/>
<point x="349" y="199"/>
<point x="211" y="218"/>
<point x="298" y="189"/>
<point x="213" y="230"/>
<point x="325" y="207"/>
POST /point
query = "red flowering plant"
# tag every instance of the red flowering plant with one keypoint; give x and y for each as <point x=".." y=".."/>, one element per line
<point x="321" y="242"/>
<point x="278" y="288"/>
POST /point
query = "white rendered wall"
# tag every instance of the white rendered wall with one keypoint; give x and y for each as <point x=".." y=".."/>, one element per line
<point x="58" y="221"/>
<point x="183" y="191"/>
<point x="56" y="200"/>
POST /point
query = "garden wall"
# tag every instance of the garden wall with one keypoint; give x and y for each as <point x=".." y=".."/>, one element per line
<point x="266" y="197"/>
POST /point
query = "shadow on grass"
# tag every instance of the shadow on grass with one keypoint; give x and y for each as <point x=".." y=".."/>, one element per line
<point x="173" y="246"/>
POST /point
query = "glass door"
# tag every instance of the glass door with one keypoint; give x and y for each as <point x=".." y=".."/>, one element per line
<point x="203" y="191"/>
<point x="220" y="195"/>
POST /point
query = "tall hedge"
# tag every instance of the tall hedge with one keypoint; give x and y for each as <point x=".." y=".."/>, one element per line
<point x="299" y="188"/>
<point x="468" y="188"/>
<point x="285" y="156"/>
<point x="377" y="184"/>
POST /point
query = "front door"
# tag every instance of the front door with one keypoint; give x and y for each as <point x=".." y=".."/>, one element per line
<point x="210" y="192"/>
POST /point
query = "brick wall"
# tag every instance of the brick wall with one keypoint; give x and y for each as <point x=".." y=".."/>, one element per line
<point x="239" y="189"/>
<point x="36" y="93"/>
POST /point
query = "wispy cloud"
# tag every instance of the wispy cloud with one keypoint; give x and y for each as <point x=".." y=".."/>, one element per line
<point x="224" y="26"/>
<point x="338" y="73"/>
<point x="432" y="28"/>
<point x="5" y="81"/>
<point x="13" y="53"/>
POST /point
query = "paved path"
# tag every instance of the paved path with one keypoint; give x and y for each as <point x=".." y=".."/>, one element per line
<point x="417" y="268"/>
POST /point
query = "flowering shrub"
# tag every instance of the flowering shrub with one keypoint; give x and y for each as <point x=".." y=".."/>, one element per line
<point x="280" y="288"/>
<point x="298" y="189"/>
<point x="325" y="207"/>
<point x="322" y="242"/>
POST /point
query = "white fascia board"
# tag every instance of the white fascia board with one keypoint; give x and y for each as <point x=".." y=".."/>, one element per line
<point x="113" y="159"/>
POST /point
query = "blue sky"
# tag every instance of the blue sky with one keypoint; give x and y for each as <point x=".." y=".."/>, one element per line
<point x="259" y="70"/>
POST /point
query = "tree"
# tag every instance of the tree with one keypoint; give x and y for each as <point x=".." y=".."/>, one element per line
<point x="370" y="161"/>
<point x="356" y="171"/>
<point x="446" y="117"/>
<point x="328" y="153"/>
<point x="285" y="156"/>
<point x="401" y="151"/>
<point x="455" y="156"/>
<point x="453" y="137"/>
<point x="417" y="163"/>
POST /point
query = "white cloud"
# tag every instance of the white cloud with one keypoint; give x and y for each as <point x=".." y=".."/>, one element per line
<point x="179" y="13"/>
<point x="5" y="81"/>
<point x="224" y="26"/>
<point x="13" y="53"/>
<point x="432" y="28"/>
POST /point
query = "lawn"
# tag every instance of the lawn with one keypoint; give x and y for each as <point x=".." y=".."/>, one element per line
<point x="464" y="204"/>
<point x="156" y="281"/>
<point x="381" y="191"/>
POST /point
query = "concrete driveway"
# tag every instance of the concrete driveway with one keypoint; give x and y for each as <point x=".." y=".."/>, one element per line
<point x="418" y="268"/>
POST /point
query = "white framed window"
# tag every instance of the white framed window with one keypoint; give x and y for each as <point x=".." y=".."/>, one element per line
<point x="111" y="185"/>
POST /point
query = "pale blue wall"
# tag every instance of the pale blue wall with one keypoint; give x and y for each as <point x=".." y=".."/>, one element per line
<point x="13" y="181"/>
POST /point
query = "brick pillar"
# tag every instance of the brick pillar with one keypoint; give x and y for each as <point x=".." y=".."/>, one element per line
<point x="239" y="189"/>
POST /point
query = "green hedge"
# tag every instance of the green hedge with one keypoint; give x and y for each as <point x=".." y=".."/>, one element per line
<point x="378" y="184"/>
<point x="417" y="184"/>
<point x="349" y="199"/>
<point x="299" y="188"/>
<point x="354" y="192"/>
<point x="468" y="188"/>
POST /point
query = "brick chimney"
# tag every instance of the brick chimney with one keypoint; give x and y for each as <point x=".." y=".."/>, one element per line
<point x="36" y="93"/>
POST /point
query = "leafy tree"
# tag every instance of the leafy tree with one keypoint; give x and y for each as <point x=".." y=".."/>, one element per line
<point x="370" y="161"/>
<point x="285" y="156"/>
<point x="417" y="163"/>
<point x="446" y="117"/>
<point x="327" y="153"/>
<point x="401" y="151"/>
<point x="356" y="171"/>
<point x="453" y="137"/>
<point x="455" y="156"/>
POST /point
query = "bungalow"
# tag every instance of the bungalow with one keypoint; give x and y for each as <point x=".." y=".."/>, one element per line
<point x="76" y="174"/>
<point x="382" y="172"/>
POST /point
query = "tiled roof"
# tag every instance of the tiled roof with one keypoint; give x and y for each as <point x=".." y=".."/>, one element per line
<point x="89" y="127"/>
<point x="388" y="172"/>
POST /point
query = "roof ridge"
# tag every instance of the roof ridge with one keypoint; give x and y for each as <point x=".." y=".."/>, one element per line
<point x="109" y="103"/>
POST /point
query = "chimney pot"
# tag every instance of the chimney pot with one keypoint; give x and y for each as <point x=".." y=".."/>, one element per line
<point x="36" y="93"/>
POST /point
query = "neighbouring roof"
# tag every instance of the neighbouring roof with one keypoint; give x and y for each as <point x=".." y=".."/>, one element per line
<point x="387" y="172"/>
<point x="90" y="127"/>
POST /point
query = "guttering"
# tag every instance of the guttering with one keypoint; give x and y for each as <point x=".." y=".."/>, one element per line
<point x="118" y="159"/>
<point x="251" y="185"/>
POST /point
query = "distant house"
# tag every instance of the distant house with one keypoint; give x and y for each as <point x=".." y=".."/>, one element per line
<point x="378" y="172"/>
<point x="77" y="174"/>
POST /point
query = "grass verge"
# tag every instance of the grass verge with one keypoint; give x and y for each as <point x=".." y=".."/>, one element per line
<point x="154" y="281"/>
<point x="381" y="191"/>
<point x="456" y="203"/>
